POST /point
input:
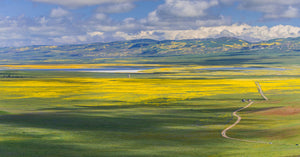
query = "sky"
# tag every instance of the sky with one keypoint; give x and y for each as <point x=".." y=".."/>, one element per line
<point x="59" y="22"/>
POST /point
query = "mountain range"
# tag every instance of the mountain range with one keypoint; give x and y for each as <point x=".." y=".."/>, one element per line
<point x="143" y="48"/>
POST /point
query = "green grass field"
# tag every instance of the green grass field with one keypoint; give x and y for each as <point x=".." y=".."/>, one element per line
<point x="172" y="110"/>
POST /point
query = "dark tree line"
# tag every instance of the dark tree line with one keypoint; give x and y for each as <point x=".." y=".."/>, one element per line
<point x="10" y="75"/>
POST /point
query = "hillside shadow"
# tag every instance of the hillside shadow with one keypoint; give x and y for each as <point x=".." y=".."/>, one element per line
<point x="65" y="121"/>
<point x="38" y="148"/>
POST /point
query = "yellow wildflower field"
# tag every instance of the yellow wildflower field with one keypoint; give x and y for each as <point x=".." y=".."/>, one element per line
<point x="129" y="91"/>
<point x="117" y="86"/>
<point x="176" y="83"/>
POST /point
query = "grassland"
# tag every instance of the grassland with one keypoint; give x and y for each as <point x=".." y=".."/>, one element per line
<point x="173" y="109"/>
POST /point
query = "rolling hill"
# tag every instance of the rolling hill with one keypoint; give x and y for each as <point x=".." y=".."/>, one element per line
<point x="142" y="48"/>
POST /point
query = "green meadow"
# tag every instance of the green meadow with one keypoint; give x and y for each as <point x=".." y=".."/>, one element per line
<point x="174" y="108"/>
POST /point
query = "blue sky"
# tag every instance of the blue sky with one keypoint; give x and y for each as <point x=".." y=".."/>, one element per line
<point x="56" y="22"/>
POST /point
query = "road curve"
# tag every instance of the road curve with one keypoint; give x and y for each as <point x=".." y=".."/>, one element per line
<point x="237" y="121"/>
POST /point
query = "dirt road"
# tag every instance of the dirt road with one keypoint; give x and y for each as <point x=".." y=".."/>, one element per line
<point x="260" y="91"/>
<point x="237" y="121"/>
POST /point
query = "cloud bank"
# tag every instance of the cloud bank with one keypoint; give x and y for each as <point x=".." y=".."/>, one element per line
<point x="244" y="31"/>
<point x="171" y="20"/>
<point x="56" y="31"/>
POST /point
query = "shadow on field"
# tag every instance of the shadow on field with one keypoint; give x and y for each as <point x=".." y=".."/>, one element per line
<point x="65" y="121"/>
<point x="38" y="148"/>
<point x="235" y="61"/>
<point x="128" y="119"/>
<point x="152" y="129"/>
<point x="134" y="148"/>
<point x="227" y="61"/>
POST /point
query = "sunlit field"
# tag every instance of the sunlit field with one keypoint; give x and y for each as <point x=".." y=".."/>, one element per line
<point x="168" y="110"/>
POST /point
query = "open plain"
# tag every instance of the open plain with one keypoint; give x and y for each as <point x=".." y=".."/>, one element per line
<point x="164" y="110"/>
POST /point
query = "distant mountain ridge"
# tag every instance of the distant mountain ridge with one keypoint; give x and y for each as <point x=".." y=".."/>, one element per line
<point x="144" y="47"/>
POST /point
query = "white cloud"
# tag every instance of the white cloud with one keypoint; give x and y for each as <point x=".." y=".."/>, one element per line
<point x="81" y="3"/>
<point x="213" y="22"/>
<point x="271" y="9"/>
<point x="71" y="39"/>
<point x="58" y="12"/>
<point x="49" y="31"/>
<point x="104" y="28"/>
<point x="186" y="8"/>
<point x="93" y="34"/>
<point x="101" y="16"/>
<point x="43" y="21"/>
<point x="185" y="14"/>
<point x="291" y="13"/>
<point x="116" y="8"/>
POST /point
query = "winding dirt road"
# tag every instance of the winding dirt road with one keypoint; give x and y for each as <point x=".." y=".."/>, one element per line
<point x="239" y="119"/>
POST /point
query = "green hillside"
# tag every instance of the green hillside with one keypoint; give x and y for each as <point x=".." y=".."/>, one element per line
<point x="141" y="48"/>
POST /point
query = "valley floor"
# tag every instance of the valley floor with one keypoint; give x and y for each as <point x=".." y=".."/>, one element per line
<point x="165" y="110"/>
